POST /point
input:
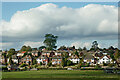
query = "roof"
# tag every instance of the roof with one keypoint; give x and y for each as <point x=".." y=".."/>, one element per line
<point x="23" y="52"/>
<point x="106" y="56"/>
<point x="89" y="57"/>
<point x="73" y="57"/>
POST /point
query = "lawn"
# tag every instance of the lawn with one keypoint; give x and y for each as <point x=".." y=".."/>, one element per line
<point x="60" y="75"/>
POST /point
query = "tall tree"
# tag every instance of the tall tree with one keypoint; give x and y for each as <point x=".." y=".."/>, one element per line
<point x="50" y="41"/>
<point x="11" y="52"/>
<point x="95" y="45"/>
<point x="117" y="55"/>
<point x="42" y="47"/>
<point x="23" y="48"/>
<point x="28" y="48"/>
<point x="84" y="48"/>
<point x="10" y="60"/>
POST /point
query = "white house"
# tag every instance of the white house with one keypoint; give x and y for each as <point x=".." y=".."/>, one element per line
<point x="105" y="59"/>
<point x="89" y="59"/>
<point x="74" y="59"/>
<point x="42" y="59"/>
<point x="21" y="53"/>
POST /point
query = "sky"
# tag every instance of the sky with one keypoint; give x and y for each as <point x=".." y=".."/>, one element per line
<point x="75" y="23"/>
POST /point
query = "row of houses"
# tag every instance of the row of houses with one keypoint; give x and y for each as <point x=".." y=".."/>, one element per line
<point x="55" y="57"/>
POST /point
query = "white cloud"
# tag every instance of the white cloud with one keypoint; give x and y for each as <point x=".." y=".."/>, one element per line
<point x="33" y="44"/>
<point x="5" y="45"/>
<point x="81" y="44"/>
<point x="91" y="20"/>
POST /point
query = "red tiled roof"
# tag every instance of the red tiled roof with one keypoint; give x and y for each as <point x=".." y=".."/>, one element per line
<point x="23" y="52"/>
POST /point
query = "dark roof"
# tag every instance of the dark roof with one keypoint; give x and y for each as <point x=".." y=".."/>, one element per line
<point x="89" y="56"/>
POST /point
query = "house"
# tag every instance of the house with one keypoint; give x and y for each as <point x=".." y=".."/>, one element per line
<point x="3" y="58"/>
<point x="12" y="67"/>
<point x="56" y="60"/>
<point x="34" y="53"/>
<point x="105" y="59"/>
<point x="15" y="59"/>
<point x="21" y="53"/>
<point x="43" y="59"/>
<point x="27" y="59"/>
<point x="74" y="59"/>
<point x="89" y="59"/>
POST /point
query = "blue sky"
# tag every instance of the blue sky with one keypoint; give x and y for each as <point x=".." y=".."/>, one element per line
<point x="10" y="8"/>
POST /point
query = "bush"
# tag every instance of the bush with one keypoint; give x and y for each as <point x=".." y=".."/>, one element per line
<point x="97" y="66"/>
<point x="69" y="63"/>
<point x="4" y="68"/>
<point x="23" y="65"/>
<point x="49" y="64"/>
<point x="111" y="65"/>
<point x="35" y="65"/>
<point x="40" y="63"/>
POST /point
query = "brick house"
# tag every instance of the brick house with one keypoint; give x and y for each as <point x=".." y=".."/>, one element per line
<point x="27" y="59"/>
<point x="56" y="60"/>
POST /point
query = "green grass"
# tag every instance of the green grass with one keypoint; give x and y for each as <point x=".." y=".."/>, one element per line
<point x="60" y="75"/>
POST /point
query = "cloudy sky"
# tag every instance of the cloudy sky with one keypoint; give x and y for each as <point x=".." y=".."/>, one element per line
<point x="77" y="24"/>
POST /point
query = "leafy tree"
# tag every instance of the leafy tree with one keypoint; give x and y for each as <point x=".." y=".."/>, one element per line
<point x="34" y="61"/>
<point x="95" y="45"/>
<point x="23" y="48"/>
<point x="40" y="63"/>
<point x="10" y="60"/>
<point x="80" y="49"/>
<point x="5" y="57"/>
<point x="41" y="47"/>
<point x="84" y="48"/>
<point x="76" y="53"/>
<point x="28" y="48"/>
<point x="49" y="64"/>
<point x="69" y="63"/>
<point x="62" y="48"/>
<point x="63" y="63"/>
<point x="50" y="41"/>
<point x="116" y="56"/>
<point x="11" y="52"/>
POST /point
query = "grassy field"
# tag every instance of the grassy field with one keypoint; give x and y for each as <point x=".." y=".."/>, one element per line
<point x="60" y="75"/>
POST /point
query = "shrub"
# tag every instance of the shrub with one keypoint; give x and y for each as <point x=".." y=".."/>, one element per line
<point x="69" y="63"/>
<point x="97" y="66"/>
<point x="4" y="68"/>
<point x="49" y="64"/>
<point x="23" y="65"/>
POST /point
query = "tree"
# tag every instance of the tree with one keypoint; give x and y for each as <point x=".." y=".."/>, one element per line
<point x="10" y="60"/>
<point x="23" y="48"/>
<point x="5" y="57"/>
<point x="28" y="48"/>
<point x="11" y="52"/>
<point x="62" y="48"/>
<point x="80" y="49"/>
<point x="63" y="63"/>
<point x="76" y="53"/>
<point x="50" y="41"/>
<point x="69" y="63"/>
<point x="84" y="48"/>
<point x="41" y="47"/>
<point x="34" y="61"/>
<point x="116" y="56"/>
<point x="95" y="45"/>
